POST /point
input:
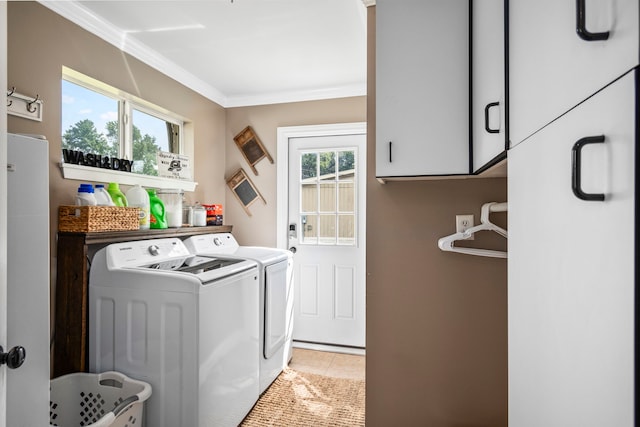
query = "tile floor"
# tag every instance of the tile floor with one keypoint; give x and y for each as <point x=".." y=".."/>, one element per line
<point x="337" y="365"/>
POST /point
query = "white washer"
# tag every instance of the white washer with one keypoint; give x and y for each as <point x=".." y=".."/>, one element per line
<point x="186" y="324"/>
<point x="276" y="296"/>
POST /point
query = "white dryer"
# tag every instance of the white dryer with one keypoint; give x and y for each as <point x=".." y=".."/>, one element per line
<point x="186" y="324"/>
<point x="275" y="267"/>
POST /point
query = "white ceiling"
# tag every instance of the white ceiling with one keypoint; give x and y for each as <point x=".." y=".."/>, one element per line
<point x="239" y="52"/>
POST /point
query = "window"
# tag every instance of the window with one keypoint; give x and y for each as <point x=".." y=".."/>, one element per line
<point x="327" y="197"/>
<point x="102" y="120"/>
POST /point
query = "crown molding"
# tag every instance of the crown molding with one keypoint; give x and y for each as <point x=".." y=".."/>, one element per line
<point x="297" y="96"/>
<point x="77" y="14"/>
<point x="368" y="3"/>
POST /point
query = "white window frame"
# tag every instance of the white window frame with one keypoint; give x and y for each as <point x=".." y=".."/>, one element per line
<point x="126" y="103"/>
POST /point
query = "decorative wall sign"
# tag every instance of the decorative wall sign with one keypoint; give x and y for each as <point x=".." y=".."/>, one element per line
<point x="251" y="147"/>
<point x="96" y="160"/>
<point x="244" y="190"/>
<point x="171" y="165"/>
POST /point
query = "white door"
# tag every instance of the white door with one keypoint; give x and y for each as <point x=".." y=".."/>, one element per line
<point x="3" y="208"/>
<point x="326" y="199"/>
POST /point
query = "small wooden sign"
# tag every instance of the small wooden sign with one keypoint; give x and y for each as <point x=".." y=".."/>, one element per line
<point x="244" y="190"/>
<point x="251" y="147"/>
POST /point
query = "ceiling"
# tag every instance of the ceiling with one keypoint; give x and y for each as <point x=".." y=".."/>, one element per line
<point x="239" y="52"/>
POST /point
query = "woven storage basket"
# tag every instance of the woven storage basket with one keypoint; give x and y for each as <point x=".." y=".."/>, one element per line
<point x="97" y="218"/>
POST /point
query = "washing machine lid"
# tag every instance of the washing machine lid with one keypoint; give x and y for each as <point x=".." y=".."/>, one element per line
<point x="226" y="244"/>
<point x="171" y="256"/>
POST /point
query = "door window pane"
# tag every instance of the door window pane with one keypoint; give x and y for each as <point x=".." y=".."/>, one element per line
<point x="327" y="196"/>
<point x="346" y="229"/>
<point x="309" y="229"/>
<point x="327" y="230"/>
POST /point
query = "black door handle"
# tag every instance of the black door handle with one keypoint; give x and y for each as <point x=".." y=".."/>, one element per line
<point x="581" y="28"/>
<point x="486" y="117"/>
<point x="14" y="358"/>
<point x="576" y="167"/>
<point x="390" y="158"/>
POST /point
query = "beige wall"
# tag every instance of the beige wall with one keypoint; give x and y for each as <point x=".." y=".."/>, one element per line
<point x="260" y="228"/>
<point x="436" y="321"/>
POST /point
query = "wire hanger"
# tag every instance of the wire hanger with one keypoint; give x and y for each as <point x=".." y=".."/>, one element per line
<point x="447" y="243"/>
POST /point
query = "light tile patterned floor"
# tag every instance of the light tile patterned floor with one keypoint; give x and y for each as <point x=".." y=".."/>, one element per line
<point x="337" y="365"/>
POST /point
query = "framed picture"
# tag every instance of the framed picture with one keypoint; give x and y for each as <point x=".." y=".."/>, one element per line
<point x="251" y="147"/>
<point x="244" y="190"/>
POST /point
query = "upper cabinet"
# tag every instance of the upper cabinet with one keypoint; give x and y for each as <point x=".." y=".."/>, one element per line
<point x="488" y="82"/>
<point x="422" y="88"/>
<point x="560" y="52"/>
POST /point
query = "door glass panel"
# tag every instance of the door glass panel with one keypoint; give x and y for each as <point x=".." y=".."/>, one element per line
<point x="308" y="166"/>
<point x="327" y="230"/>
<point x="346" y="229"/>
<point x="309" y="229"/>
<point x="327" y="197"/>
<point x="309" y="197"/>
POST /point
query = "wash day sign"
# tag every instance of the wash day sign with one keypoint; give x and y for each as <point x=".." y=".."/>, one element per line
<point x="171" y="165"/>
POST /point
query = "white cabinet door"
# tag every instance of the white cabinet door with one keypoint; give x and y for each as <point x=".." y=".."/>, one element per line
<point x="488" y="81"/>
<point x="422" y="87"/>
<point x="571" y="269"/>
<point x="551" y="69"/>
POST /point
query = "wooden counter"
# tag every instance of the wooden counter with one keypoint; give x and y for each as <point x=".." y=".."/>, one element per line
<point x="75" y="251"/>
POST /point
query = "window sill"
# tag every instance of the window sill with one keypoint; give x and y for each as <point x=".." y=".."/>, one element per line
<point x="91" y="174"/>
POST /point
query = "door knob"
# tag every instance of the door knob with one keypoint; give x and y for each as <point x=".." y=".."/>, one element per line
<point x="14" y="358"/>
<point x="292" y="249"/>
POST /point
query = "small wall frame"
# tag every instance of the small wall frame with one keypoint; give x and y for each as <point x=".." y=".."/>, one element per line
<point x="251" y="147"/>
<point x="244" y="190"/>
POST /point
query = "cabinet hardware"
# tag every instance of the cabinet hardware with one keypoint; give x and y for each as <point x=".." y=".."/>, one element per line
<point x="581" y="29"/>
<point x="576" y="166"/>
<point x="486" y="117"/>
<point x="390" y="161"/>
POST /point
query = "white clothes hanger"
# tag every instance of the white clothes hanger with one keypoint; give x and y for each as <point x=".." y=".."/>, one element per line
<point x="447" y="243"/>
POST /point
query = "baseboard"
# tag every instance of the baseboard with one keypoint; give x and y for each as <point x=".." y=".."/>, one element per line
<point x="331" y="348"/>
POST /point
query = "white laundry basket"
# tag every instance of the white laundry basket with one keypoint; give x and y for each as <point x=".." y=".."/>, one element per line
<point x="97" y="400"/>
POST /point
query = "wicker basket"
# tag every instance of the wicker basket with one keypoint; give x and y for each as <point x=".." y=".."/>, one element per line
<point x="97" y="218"/>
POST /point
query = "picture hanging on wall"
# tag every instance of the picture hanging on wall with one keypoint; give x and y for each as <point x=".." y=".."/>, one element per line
<point x="251" y="147"/>
<point x="244" y="190"/>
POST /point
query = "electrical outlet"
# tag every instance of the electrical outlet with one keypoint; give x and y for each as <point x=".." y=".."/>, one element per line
<point x="464" y="222"/>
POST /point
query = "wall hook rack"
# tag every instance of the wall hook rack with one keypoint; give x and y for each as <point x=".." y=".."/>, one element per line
<point x="24" y="106"/>
<point x="9" y="93"/>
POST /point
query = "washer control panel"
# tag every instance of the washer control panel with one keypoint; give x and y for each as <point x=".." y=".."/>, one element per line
<point x="138" y="253"/>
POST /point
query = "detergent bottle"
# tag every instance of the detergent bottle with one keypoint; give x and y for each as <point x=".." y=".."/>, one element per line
<point x="116" y="195"/>
<point x="85" y="196"/>
<point x="138" y="197"/>
<point x="103" y="198"/>
<point x="157" y="216"/>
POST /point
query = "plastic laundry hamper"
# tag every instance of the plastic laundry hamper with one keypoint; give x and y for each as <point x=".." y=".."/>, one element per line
<point x="97" y="400"/>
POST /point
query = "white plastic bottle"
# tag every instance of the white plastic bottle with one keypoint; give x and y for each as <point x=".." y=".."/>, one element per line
<point x="103" y="198"/>
<point x="84" y="196"/>
<point x="138" y="197"/>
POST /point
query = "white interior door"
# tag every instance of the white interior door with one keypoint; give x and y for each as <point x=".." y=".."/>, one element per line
<point x="326" y="228"/>
<point x="3" y="207"/>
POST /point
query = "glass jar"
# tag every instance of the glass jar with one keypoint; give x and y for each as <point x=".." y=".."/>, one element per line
<point x="199" y="215"/>
<point x="172" y="199"/>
